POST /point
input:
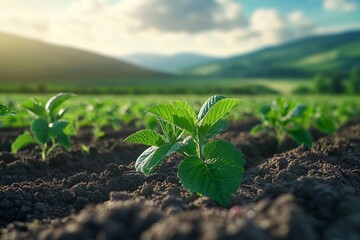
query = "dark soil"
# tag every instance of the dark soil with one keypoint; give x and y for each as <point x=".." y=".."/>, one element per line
<point x="298" y="194"/>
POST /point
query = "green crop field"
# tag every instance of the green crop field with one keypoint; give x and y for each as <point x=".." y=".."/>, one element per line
<point x="205" y="141"/>
<point x="248" y="104"/>
<point x="174" y="85"/>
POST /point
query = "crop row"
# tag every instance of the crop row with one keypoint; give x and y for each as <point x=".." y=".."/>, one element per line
<point x="98" y="113"/>
<point x="125" y="110"/>
<point x="53" y="122"/>
<point x="210" y="167"/>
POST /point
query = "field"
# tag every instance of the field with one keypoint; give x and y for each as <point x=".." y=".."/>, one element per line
<point x="92" y="191"/>
<point x="168" y="85"/>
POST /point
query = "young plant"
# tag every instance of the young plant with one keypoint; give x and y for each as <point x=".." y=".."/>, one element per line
<point x="210" y="167"/>
<point x="101" y="114"/>
<point x="324" y="119"/>
<point x="5" y="110"/>
<point x="133" y="113"/>
<point x="285" y="118"/>
<point x="47" y="129"/>
<point x="346" y="110"/>
<point x="11" y="118"/>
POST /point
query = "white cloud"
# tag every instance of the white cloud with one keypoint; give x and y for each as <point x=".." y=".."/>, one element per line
<point x="300" y="24"/>
<point x="185" y="15"/>
<point x="216" y="27"/>
<point x="269" y="26"/>
<point x="339" y="5"/>
<point x="267" y="20"/>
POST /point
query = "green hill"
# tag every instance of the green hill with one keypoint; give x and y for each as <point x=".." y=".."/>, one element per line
<point x="28" y="61"/>
<point x="303" y="58"/>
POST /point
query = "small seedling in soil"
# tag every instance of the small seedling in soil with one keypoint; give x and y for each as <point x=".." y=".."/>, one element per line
<point x="285" y="118"/>
<point x="47" y="129"/>
<point x="6" y="111"/>
<point x="329" y="117"/>
<point x="132" y="114"/>
<point x="213" y="168"/>
<point x="101" y="114"/>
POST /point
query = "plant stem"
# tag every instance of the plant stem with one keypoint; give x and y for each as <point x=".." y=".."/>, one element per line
<point x="199" y="148"/>
<point x="43" y="151"/>
<point x="53" y="146"/>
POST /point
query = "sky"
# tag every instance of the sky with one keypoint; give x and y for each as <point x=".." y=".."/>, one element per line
<point x="213" y="27"/>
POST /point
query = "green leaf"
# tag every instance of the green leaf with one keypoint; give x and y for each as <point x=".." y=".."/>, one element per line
<point x="152" y="157"/>
<point x="64" y="140"/>
<point x="221" y="149"/>
<point x="170" y="131"/>
<point x="22" y="141"/>
<point x="36" y="108"/>
<point x="147" y="137"/>
<point x="167" y="129"/>
<point x="272" y="118"/>
<point x="5" y="110"/>
<point x="216" y="112"/>
<point x="280" y="106"/>
<point x="325" y="124"/>
<point x="57" y="127"/>
<point x="296" y="112"/>
<point x="54" y="102"/>
<point x="186" y="107"/>
<point x="177" y="113"/>
<point x="301" y="135"/>
<point x="62" y="112"/>
<point x="219" y="127"/>
<point x="264" y="110"/>
<point x="175" y="148"/>
<point x="144" y="157"/>
<point x="216" y="178"/>
<point x="188" y="147"/>
<point x="40" y="128"/>
<point x="208" y="104"/>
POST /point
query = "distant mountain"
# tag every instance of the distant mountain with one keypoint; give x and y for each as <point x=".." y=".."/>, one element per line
<point x="303" y="58"/>
<point x="167" y="63"/>
<point x="24" y="60"/>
